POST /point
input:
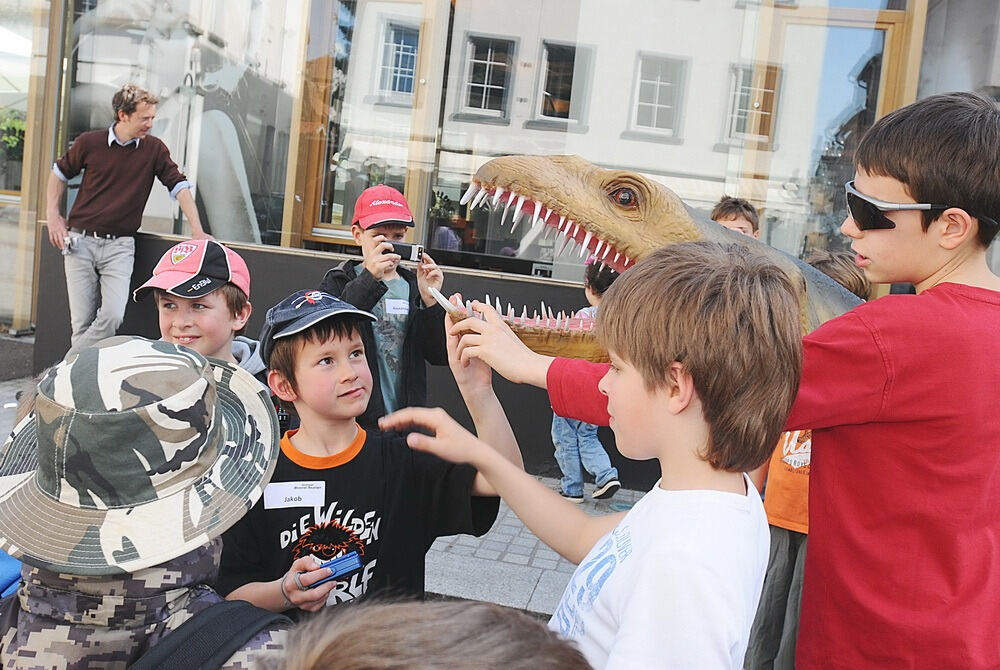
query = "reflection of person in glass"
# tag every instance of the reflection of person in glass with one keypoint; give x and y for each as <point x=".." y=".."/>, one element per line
<point x="98" y="242"/>
<point x="446" y="238"/>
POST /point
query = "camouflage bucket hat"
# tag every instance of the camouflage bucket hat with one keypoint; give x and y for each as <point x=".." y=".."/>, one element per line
<point x="137" y="452"/>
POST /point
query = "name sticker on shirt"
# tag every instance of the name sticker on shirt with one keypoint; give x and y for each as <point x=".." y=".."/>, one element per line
<point x="294" y="494"/>
<point x="396" y="306"/>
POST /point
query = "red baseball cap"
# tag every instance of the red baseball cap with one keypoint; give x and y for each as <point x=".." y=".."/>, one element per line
<point x="379" y="205"/>
<point x="195" y="268"/>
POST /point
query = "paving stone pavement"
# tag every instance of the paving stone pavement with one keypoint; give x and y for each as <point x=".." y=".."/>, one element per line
<point x="508" y="565"/>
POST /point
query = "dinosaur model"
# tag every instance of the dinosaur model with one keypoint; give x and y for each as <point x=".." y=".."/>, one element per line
<point x="618" y="217"/>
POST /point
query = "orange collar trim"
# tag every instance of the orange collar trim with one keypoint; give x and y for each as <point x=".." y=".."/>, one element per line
<point x="322" y="462"/>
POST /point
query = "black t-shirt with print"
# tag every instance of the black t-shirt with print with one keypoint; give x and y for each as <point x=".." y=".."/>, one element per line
<point x="378" y="497"/>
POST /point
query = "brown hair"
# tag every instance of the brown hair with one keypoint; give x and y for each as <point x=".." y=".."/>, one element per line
<point x="733" y="208"/>
<point x="731" y="317"/>
<point x="460" y="635"/>
<point x="286" y="349"/>
<point x="598" y="278"/>
<point x="128" y="97"/>
<point x="943" y="149"/>
<point x="840" y="266"/>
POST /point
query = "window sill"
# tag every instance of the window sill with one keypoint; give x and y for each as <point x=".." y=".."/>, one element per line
<point x="472" y="117"/>
<point x="385" y="101"/>
<point x="646" y="136"/>
<point x="556" y="126"/>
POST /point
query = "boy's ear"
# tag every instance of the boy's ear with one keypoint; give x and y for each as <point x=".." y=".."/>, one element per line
<point x="356" y="233"/>
<point x="240" y="320"/>
<point x="281" y="387"/>
<point x="957" y="225"/>
<point x="680" y="388"/>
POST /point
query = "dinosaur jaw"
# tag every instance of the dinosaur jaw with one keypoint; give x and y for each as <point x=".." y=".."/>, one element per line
<point x="575" y="237"/>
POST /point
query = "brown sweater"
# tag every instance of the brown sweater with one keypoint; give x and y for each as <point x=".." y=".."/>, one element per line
<point x="116" y="180"/>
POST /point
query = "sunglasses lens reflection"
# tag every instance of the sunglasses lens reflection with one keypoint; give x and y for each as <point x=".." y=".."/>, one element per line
<point x="867" y="215"/>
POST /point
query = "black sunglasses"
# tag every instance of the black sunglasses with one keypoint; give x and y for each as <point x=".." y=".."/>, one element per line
<point x="869" y="213"/>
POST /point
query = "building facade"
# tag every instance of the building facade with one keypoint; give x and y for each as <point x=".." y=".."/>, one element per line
<point x="282" y="112"/>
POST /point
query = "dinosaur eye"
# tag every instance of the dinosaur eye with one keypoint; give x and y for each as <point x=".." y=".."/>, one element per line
<point x="625" y="197"/>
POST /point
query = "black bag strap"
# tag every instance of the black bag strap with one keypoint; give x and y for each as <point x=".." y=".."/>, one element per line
<point x="209" y="638"/>
<point x="9" y="608"/>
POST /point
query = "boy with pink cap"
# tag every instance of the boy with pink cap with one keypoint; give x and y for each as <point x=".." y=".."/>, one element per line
<point x="202" y="293"/>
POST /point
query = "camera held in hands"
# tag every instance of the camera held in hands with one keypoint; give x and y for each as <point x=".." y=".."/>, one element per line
<point x="407" y="251"/>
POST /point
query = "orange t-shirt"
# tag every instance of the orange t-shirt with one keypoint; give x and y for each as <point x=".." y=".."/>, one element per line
<point x="786" y="497"/>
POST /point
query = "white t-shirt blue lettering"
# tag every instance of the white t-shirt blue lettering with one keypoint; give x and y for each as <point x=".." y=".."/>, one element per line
<point x="674" y="585"/>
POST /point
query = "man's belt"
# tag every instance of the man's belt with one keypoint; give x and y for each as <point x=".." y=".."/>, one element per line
<point x="101" y="236"/>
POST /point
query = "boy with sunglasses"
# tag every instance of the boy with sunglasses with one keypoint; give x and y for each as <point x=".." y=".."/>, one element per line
<point x="901" y="396"/>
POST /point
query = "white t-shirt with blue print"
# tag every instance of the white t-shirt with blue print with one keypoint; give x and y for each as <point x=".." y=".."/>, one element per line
<point x="674" y="585"/>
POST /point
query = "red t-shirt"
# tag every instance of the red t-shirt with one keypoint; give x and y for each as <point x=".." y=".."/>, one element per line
<point x="903" y="567"/>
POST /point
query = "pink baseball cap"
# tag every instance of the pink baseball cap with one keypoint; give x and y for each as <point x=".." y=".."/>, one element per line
<point x="195" y="268"/>
<point x="378" y="205"/>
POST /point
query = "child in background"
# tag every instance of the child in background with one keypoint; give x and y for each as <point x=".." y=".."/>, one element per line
<point x="737" y="215"/>
<point x="338" y="488"/>
<point x="674" y="582"/>
<point x="408" y="329"/>
<point x="786" y="501"/>
<point x="576" y="442"/>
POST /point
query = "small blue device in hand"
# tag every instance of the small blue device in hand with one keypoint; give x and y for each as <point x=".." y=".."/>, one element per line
<point x="340" y="566"/>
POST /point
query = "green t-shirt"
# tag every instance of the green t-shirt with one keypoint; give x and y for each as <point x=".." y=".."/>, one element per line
<point x="390" y="331"/>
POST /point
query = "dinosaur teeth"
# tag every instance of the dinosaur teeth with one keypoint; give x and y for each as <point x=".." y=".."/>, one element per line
<point x="576" y="228"/>
<point x="535" y="220"/>
<point x="496" y="195"/>
<point x="479" y="198"/>
<point x="469" y="192"/>
<point x="600" y="245"/>
<point x="586" y="241"/>
<point x="562" y="222"/>
<point x="606" y="250"/>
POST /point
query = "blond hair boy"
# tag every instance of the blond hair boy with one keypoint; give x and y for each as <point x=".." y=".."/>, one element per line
<point x="675" y="581"/>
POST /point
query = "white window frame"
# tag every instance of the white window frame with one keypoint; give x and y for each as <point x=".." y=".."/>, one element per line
<point x="470" y="47"/>
<point x="676" y="103"/>
<point x="388" y="72"/>
<point x="742" y="86"/>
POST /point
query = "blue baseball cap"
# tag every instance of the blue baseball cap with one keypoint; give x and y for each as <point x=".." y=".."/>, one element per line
<point x="299" y="311"/>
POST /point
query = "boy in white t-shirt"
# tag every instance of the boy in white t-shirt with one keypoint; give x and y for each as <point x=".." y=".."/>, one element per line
<point x="674" y="582"/>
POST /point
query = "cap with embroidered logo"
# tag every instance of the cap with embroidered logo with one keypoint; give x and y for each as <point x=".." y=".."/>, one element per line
<point x="299" y="311"/>
<point x="195" y="268"/>
<point x="380" y="205"/>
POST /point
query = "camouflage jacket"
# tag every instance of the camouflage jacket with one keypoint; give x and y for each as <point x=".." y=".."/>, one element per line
<point x="67" y="622"/>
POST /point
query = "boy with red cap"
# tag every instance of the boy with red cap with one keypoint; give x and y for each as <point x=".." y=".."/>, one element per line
<point x="408" y="331"/>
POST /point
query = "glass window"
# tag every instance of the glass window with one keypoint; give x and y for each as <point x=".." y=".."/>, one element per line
<point x="752" y="102"/>
<point x="557" y="81"/>
<point x="658" y="94"/>
<point x="399" y="59"/>
<point x="489" y="63"/>
<point x="15" y="53"/>
<point x="225" y="80"/>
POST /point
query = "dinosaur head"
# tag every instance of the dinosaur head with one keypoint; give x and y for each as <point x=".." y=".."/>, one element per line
<point x="617" y="215"/>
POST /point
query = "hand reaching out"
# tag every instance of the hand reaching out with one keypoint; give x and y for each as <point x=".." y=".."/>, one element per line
<point x="449" y="440"/>
<point x="471" y="374"/>
<point x="492" y="341"/>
